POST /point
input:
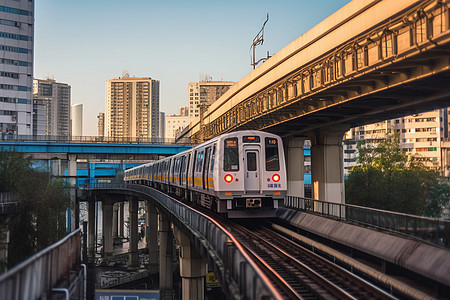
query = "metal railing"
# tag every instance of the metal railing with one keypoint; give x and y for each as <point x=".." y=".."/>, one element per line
<point x="35" y="277"/>
<point x="8" y="203"/>
<point x="235" y="269"/>
<point x="93" y="139"/>
<point x="432" y="230"/>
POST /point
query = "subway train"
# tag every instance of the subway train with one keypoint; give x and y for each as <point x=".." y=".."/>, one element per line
<point x="239" y="175"/>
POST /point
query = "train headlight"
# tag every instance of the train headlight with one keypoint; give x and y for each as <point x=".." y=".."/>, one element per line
<point x="276" y="177"/>
<point x="228" y="178"/>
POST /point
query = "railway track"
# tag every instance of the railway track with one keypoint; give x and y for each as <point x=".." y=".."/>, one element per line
<point x="299" y="273"/>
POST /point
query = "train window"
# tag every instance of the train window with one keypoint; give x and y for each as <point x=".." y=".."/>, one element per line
<point x="231" y="155"/>
<point x="183" y="164"/>
<point x="213" y="157"/>
<point x="251" y="161"/>
<point x="250" y="139"/>
<point x="199" y="162"/>
<point x="272" y="156"/>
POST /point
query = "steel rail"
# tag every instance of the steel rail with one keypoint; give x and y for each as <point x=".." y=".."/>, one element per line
<point x="354" y="283"/>
<point x="301" y="274"/>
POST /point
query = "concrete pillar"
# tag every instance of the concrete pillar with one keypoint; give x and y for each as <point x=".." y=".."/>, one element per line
<point x="133" y="260"/>
<point x="295" y="166"/>
<point x="327" y="165"/>
<point x="193" y="268"/>
<point x="115" y="220"/>
<point x="73" y="208"/>
<point x="91" y="227"/>
<point x="165" y="259"/>
<point x="107" y="228"/>
<point x="121" y="220"/>
<point x="151" y="236"/>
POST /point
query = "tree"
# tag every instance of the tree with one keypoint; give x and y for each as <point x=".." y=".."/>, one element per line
<point x="386" y="178"/>
<point x="42" y="201"/>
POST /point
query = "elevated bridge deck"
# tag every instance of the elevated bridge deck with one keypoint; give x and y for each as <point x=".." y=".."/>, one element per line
<point x="371" y="60"/>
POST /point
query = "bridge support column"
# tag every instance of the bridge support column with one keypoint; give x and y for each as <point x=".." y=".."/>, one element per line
<point x="107" y="228"/>
<point x="151" y="237"/>
<point x="121" y="212"/>
<point x="73" y="207"/>
<point x="115" y="218"/>
<point x="165" y="259"/>
<point x="295" y="165"/>
<point x="192" y="268"/>
<point x="91" y="228"/>
<point x="327" y="165"/>
<point x="133" y="260"/>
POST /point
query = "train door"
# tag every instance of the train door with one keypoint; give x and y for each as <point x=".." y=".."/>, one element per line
<point x="194" y="160"/>
<point x="205" y="169"/>
<point x="252" y="170"/>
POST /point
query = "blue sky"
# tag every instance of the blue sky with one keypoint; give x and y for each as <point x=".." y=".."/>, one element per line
<point x="84" y="43"/>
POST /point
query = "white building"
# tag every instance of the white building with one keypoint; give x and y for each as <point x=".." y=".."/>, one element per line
<point x="205" y="93"/>
<point x="174" y="124"/>
<point x="16" y="66"/>
<point x="76" y="116"/>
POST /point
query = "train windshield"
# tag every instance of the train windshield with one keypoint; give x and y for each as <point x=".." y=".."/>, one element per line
<point x="231" y="155"/>
<point x="272" y="157"/>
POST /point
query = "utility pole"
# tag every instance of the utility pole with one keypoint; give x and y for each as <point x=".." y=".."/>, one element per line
<point x="258" y="40"/>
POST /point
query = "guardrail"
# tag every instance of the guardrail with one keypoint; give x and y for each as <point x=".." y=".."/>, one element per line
<point x="35" y="277"/>
<point x="92" y="139"/>
<point x="235" y="269"/>
<point x="432" y="230"/>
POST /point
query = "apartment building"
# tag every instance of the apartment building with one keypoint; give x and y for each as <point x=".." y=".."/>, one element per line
<point x="420" y="135"/>
<point x="132" y="107"/>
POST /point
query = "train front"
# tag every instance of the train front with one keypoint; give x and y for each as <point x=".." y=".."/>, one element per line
<point x="251" y="174"/>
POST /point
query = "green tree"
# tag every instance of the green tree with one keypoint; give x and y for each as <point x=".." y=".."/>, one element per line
<point x="439" y="198"/>
<point x="42" y="201"/>
<point x="386" y="178"/>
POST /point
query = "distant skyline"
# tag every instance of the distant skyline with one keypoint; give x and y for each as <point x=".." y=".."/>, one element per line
<point x="84" y="43"/>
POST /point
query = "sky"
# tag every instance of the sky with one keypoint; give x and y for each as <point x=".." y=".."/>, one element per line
<point x="84" y="43"/>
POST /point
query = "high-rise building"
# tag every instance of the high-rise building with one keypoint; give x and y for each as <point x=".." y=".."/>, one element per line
<point x="101" y="124"/>
<point x="16" y="66"/>
<point x="132" y="107"/>
<point x="420" y="135"/>
<point x="205" y="93"/>
<point x="77" y="119"/>
<point x="55" y="96"/>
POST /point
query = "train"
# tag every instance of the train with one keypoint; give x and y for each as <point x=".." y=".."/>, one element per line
<point x="240" y="174"/>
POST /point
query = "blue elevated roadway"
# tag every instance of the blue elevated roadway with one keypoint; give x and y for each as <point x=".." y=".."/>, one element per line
<point x="49" y="150"/>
